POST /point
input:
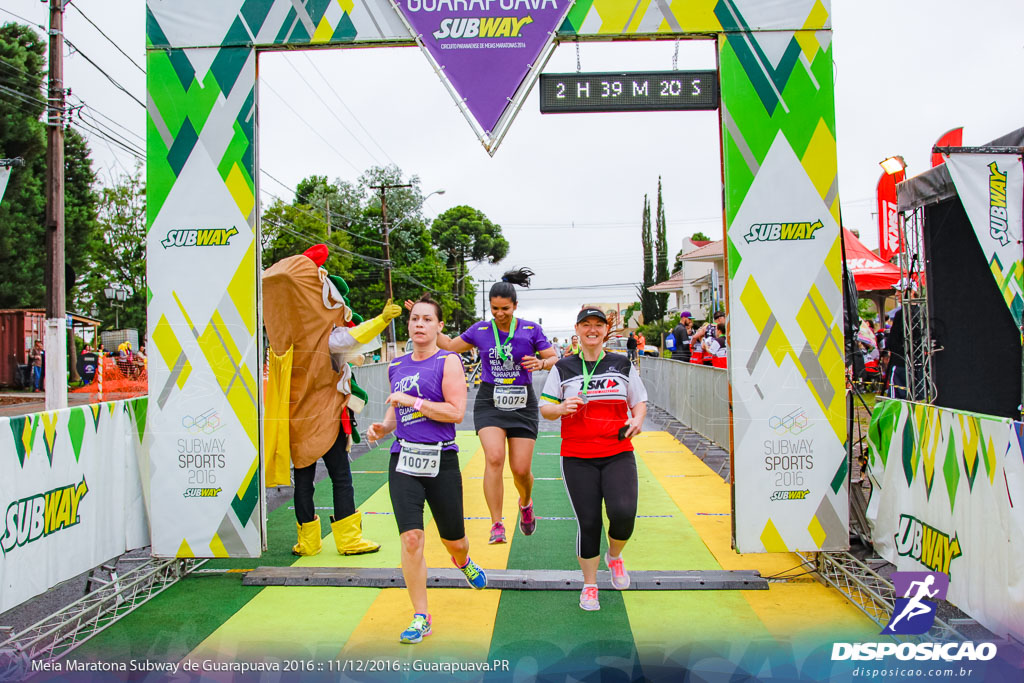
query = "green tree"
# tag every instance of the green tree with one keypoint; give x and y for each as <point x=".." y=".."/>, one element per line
<point x="290" y="229"/>
<point x="120" y="255"/>
<point x="356" y="226"/>
<point x="662" y="250"/>
<point x="648" y="302"/>
<point x="23" y="209"/>
<point x="465" y="234"/>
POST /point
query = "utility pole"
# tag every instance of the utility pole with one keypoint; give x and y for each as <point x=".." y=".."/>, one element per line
<point x="483" y="298"/>
<point x="388" y="292"/>
<point x="55" y="342"/>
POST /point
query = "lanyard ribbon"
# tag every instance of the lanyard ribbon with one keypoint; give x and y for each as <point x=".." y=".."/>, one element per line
<point x="588" y="374"/>
<point x="497" y="344"/>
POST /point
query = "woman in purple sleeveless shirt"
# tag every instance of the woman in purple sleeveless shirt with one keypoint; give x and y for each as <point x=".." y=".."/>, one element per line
<point x="505" y="410"/>
<point x="428" y="397"/>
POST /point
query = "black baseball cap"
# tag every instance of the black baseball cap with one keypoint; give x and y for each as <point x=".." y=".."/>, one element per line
<point x="718" y="314"/>
<point x="591" y="313"/>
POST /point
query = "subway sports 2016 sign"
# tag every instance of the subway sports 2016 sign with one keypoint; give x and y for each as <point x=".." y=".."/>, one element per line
<point x="639" y="91"/>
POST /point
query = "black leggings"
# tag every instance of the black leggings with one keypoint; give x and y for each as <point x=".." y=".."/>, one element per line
<point x="338" y="468"/>
<point x="588" y="481"/>
<point x="442" y="493"/>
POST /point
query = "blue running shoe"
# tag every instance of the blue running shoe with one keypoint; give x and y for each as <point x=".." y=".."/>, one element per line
<point x="474" y="575"/>
<point x="418" y="629"/>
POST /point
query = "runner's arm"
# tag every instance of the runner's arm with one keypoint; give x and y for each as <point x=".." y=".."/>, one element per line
<point x="453" y="344"/>
<point x="378" y="430"/>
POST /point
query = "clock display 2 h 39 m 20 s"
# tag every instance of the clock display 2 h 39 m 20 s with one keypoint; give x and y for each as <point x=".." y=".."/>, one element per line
<point x="638" y="91"/>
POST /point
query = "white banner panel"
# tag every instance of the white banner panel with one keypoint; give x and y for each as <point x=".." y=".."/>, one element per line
<point x="991" y="188"/>
<point x="70" y="494"/>
<point x="946" y="497"/>
<point x="785" y="355"/>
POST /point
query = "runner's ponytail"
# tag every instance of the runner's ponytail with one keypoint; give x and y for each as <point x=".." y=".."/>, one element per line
<point x="506" y="288"/>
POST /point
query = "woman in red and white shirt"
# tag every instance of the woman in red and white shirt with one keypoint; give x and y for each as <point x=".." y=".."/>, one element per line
<point x="601" y="402"/>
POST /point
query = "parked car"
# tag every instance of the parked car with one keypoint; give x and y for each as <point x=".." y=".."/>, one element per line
<point x="617" y="344"/>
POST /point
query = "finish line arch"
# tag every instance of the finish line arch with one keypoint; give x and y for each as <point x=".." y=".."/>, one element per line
<point x="781" y="208"/>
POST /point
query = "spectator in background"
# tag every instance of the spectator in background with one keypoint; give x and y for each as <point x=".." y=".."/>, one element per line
<point x="641" y="343"/>
<point x="682" y="333"/>
<point x="35" y="360"/>
<point x="574" y="347"/>
<point x="631" y="344"/>
<point x="897" y="363"/>
<point x="559" y="351"/>
<point x="715" y="352"/>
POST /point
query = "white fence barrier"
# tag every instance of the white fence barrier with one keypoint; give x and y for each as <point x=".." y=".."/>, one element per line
<point x="71" y="494"/>
<point x="696" y="395"/>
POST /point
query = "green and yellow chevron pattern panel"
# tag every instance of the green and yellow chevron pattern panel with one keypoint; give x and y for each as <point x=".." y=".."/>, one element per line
<point x="203" y="421"/>
<point x="786" y="346"/>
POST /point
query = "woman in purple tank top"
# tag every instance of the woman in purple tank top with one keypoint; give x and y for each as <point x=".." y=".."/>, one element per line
<point x="505" y="412"/>
<point x="428" y="397"/>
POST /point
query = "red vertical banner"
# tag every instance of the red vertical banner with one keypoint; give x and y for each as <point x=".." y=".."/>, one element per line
<point x="951" y="138"/>
<point x="888" y="217"/>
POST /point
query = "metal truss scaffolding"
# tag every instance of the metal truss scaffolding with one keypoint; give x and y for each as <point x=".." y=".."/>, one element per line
<point x="914" y="302"/>
<point x="872" y="593"/>
<point x="109" y="597"/>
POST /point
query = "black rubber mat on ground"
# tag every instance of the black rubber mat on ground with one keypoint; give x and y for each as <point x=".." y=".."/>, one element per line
<point x="504" y="579"/>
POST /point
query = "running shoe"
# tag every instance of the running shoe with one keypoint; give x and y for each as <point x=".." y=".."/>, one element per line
<point x="418" y="629"/>
<point x="588" y="599"/>
<point x="620" y="577"/>
<point x="474" y="575"/>
<point x="527" y="522"/>
<point x="497" y="533"/>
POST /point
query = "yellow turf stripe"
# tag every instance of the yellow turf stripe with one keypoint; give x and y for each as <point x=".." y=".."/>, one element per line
<point x="285" y="622"/>
<point x="465" y="616"/>
<point x="784" y="609"/>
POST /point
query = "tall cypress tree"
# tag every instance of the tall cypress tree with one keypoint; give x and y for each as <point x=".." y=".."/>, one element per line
<point x="662" y="249"/>
<point x="648" y="301"/>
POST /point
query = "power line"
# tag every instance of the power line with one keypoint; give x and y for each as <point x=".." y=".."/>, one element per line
<point x="109" y="40"/>
<point x="330" y="110"/>
<point x="351" y="113"/>
<point x="27" y="21"/>
<point x="108" y="76"/>
<point x="311" y="128"/>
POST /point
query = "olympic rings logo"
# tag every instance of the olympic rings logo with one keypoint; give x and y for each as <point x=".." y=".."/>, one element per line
<point x="795" y="423"/>
<point x="205" y="423"/>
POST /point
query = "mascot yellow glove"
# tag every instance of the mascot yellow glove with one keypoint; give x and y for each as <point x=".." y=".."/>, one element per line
<point x="366" y="331"/>
<point x="391" y="311"/>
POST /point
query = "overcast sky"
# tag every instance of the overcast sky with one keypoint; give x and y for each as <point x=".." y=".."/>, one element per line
<point x="568" y="189"/>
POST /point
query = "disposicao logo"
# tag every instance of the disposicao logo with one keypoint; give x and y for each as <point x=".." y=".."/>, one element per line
<point x="914" y="614"/>
<point x="782" y="232"/>
<point x="204" y="237"/>
<point x="34" y="517"/>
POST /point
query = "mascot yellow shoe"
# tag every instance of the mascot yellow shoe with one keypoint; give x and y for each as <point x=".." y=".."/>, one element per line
<point x="310" y="542"/>
<point x="348" y="536"/>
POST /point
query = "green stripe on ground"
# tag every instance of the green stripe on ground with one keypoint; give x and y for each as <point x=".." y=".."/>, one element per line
<point x="547" y="633"/>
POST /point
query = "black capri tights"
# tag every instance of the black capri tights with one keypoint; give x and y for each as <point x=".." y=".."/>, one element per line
<point x="588" y="481"/>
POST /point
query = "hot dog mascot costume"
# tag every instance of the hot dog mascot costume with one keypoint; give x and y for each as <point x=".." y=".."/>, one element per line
<point x="311" y="395"/>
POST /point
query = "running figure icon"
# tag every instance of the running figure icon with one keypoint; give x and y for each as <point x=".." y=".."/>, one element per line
<point x="914" y="611"/>
<point x="914" y="607"/>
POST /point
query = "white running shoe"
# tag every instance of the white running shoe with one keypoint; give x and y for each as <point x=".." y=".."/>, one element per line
<point x="588" y="599"/>
<point x="620" y="577"/>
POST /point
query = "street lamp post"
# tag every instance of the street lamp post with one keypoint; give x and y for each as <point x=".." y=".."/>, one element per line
<point x="115" y="294"/>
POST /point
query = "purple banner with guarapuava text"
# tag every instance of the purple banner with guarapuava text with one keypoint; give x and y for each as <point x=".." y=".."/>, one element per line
<point x="485" y="48"/>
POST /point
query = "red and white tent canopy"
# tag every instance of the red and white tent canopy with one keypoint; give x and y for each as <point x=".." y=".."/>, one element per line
<point x="869" y="272"/>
